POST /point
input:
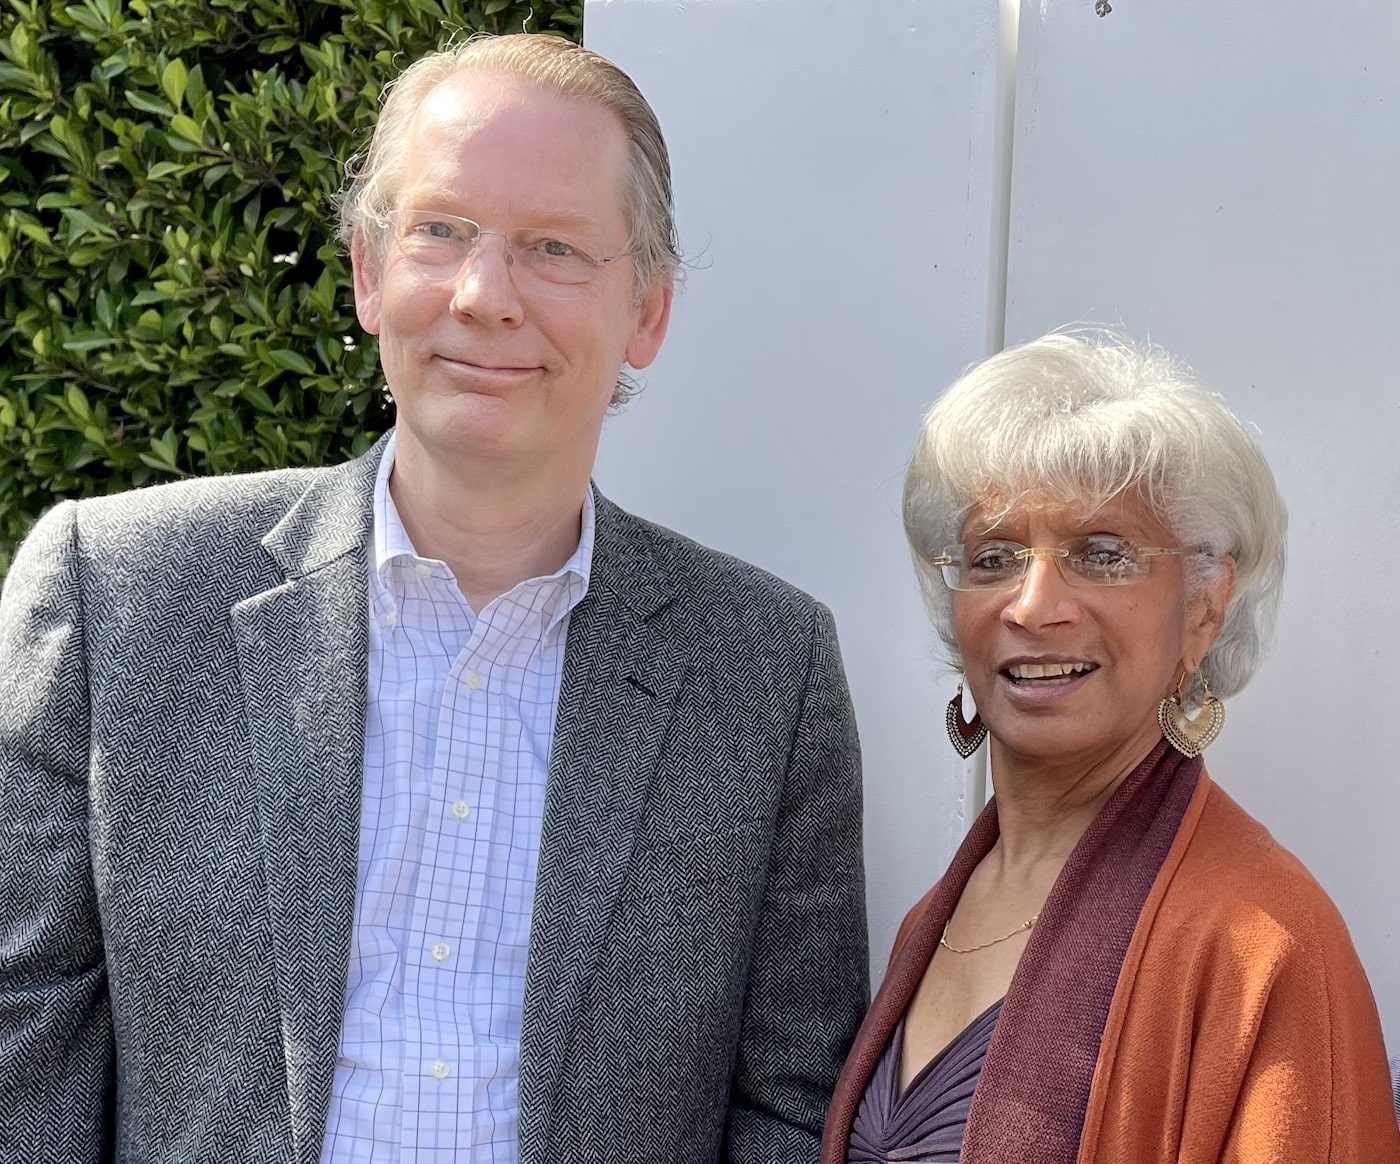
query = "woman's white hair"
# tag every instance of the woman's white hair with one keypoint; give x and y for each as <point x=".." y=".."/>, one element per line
<point x="1083" y="417"/>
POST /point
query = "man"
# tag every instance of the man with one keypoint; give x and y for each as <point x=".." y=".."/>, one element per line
<point x="430" y="807"/>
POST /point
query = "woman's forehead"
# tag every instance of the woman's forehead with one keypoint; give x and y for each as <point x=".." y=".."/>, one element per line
<point x="1126" y="512"/>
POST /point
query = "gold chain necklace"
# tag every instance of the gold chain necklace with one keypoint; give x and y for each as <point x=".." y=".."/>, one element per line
<point x="1022" y="928"/>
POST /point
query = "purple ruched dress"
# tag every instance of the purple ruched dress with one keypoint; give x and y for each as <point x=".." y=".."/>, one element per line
<point x="926" y="1123"/>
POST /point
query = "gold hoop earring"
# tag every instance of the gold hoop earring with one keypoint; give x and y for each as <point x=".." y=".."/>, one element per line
<point x="966" y="735"/>
<point x="1190" y="736"/>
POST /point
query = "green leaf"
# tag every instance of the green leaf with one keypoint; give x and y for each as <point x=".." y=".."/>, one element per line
<point x="88" y="343"/>
<point x="173" y="80"/>
<point x="194" y="88"/>
<point x="85" y="221"/>
<point x="77" y="402"/>
<point x="187" y="128"/>
<point x="291" y="361"/>
<point x="165" y="450"/>
<point x="148" y="104"/>
<point x="32" y="230"/>
<point x="258" y="397"/>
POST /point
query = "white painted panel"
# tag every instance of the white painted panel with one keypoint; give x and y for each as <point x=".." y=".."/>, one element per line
<point x="834" y="183"/>
<point x="1224" y="178"/>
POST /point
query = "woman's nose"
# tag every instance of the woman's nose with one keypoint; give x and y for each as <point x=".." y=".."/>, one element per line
<point x="1043" y="596"/>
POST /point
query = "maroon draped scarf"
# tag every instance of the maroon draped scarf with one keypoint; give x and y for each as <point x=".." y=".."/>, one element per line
<point x="1034" y="1087"/>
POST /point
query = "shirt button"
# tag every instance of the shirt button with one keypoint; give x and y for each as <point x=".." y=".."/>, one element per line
<point x="440" y="951"/>
<point x="461" y="810"/>
<point x="473" y="680"/>
<point x="389" y="618"/>
<point x="441" y="1070"/>
<point x="423" y="570"/>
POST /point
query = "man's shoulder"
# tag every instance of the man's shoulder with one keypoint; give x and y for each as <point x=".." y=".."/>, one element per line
<point x="707" y="576"/>
<point x="209" y="534"/>
<point x="246" y="504"/>
<point x="192" y="496"/>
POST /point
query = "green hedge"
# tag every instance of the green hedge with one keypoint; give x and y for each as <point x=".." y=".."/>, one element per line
<point x="173" y="299"/>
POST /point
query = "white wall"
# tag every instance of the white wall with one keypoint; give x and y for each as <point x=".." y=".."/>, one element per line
<point x="1219" y="177"/>
<point x="834" y="187"/>
<point x="1224" y="178"/>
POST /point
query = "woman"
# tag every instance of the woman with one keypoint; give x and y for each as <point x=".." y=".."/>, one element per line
<point x="1120" y="965"/>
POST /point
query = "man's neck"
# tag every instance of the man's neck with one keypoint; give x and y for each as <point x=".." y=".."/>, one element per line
<point x="493" y="530"/>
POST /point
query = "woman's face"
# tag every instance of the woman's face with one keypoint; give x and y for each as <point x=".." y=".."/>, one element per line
<point x="1072" y="673"/>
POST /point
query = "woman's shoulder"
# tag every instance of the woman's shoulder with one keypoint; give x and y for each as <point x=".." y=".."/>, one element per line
<point x="911" y="919"/>
<point x="1236" y="884"/>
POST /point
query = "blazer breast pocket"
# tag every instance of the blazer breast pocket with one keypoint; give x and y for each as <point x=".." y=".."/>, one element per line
<point x="678" y="952"/>
<point x="666" y="1002"/>
<point x="700" y="883"/>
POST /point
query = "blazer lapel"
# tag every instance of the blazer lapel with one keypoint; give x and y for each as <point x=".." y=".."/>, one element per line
<point x="303" y="651"/>
<point x="621" y="677"/>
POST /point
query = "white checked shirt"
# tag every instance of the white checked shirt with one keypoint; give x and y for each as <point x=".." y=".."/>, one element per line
<point x="457" y="742"/>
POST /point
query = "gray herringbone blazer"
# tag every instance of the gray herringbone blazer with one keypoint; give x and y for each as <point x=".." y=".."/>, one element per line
<point x="182" y="709"/>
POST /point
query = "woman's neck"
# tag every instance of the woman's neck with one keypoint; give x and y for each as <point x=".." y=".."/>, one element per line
<point x="1044" y="808"/>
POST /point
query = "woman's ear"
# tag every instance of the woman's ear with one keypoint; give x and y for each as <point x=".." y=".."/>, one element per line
<point x="1205" y="612"/>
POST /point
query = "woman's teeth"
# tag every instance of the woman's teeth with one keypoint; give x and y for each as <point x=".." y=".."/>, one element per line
<point x="1024" y="671"/>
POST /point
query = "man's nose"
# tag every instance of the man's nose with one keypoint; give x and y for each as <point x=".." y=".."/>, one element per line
<point x="484" y="287"/>
<point x="480" y="243"/>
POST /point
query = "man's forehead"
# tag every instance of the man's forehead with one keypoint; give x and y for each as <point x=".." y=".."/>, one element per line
<point x="469" y="102"/>
<point x="503" y="135"/>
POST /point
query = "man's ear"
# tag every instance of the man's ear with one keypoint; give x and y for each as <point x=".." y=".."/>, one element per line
<point x="367" y="265"/>
<point x="653" y="318"/>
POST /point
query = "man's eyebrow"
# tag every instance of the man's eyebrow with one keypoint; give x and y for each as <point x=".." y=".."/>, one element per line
<point x="442" y="199"/>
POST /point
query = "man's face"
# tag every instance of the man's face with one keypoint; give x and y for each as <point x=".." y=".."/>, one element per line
<point x="487" y="365"/>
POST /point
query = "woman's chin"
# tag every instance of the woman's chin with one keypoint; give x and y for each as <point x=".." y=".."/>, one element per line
<point x="1062" y="742"/>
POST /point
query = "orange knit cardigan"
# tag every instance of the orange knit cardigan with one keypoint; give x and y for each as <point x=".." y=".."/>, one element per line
<point x="1240" y="1030"/>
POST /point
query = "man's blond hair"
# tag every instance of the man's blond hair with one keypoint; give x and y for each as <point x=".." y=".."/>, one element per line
<point x="375" y="176"/>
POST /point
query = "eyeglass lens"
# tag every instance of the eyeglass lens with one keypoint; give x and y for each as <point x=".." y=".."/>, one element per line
<point x="1096" y="560"/>
<point x="439" y="244"/>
